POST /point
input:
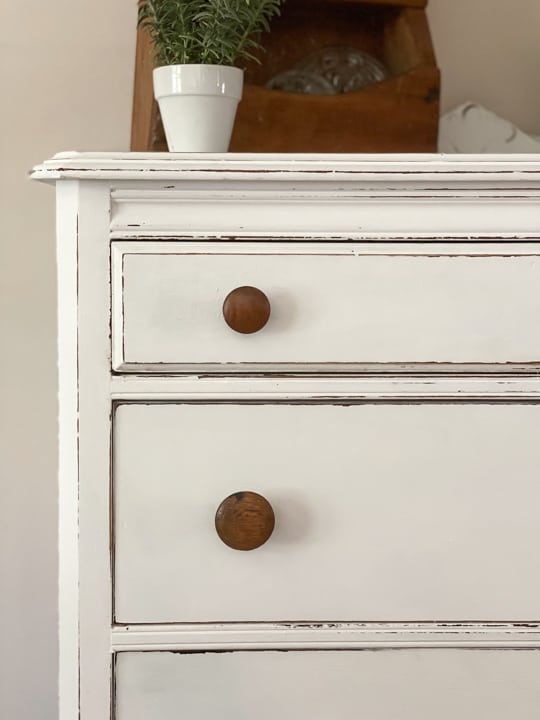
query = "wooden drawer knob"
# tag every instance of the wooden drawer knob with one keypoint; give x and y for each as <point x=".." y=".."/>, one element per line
<point x="245" y="520"/>
<point x="246" y="309"/>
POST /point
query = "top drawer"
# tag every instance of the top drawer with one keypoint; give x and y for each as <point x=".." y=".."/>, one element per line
<point x="333" y="306"/>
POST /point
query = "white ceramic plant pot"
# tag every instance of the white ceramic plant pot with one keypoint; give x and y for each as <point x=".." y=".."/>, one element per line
<point x="198" y="105"/>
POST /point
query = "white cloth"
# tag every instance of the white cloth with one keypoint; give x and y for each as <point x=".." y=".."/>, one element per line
<point x="471" y="128"/>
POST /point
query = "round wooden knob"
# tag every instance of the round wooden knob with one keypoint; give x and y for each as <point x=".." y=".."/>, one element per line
<point x="246" y="309"/>
<point x="245" y="520"/>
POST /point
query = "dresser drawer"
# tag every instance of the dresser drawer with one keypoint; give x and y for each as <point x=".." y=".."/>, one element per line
<point x="382" y="512"/>
<point x="331" y="306"/>
<point x="445" y="684"/>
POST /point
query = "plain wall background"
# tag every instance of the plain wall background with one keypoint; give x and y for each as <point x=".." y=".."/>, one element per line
<point x="66" y="69"/>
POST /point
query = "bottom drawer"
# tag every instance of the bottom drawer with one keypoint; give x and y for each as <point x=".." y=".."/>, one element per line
<point x="412" y="684"/>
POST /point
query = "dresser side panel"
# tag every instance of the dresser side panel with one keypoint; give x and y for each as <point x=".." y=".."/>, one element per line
<point x="94" y="450"/>
<point x="68" y="464"/>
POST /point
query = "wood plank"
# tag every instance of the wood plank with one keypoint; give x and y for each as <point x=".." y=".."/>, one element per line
<point x="144" y="110"/>
<point x="68" y="461"/>
<point x="396" y="115"/>
<point x="324" y="635"/>
<point x="93" y="437"/>
<point x="489" y="385"/>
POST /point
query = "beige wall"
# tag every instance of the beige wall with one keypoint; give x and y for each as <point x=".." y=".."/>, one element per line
<point x="66" y="79"/>
<point x="66" y="74"/>
<point x="489" y="51"/>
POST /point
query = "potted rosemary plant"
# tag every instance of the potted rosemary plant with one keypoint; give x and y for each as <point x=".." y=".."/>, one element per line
<point x="197" y="44"/>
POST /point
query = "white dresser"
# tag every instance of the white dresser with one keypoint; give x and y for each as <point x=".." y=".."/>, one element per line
<point x="299" y="436"/>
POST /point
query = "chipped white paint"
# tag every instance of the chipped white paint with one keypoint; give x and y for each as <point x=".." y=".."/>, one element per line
<point x="491" y="386"/>
<point x="403" y="196"/>
<point x="84" y="432"/>
<point x="365" y="168"/>
<point x="323" y="636"/>
<point x="318" y="211"/>
<point x="437" y="453"/>
<point x="68" y="461"/>
<point x="94" y="435"/>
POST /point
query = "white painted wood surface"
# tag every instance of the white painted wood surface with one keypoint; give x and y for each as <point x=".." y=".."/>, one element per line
<point x="197" y="637"/>
<point x="325" y="211"/>
<point x="93" y="437"/>
<point x="372" y="196"/>
<point x="384" y="685"/>
<point x="490" y="386"/>
<point x="85" y="588"/>
<point x="334" y="306"/>
<point x="407" y="167"/>
<point x="383" y="512"/>
<point x="413" y="511"/>
<point x="68" y="460"/>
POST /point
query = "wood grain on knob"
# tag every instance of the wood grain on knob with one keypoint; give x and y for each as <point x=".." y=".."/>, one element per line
<point x="245" y="520"/>
<point x="246" y="309"/>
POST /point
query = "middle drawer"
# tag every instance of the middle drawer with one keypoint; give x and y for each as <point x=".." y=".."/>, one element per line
<point x="387" y="511"/>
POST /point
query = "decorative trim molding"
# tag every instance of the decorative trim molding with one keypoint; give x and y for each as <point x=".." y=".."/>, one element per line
<point x="137" y="388"/>
<point x="324" y="636"/>
<point x="504" y="170"/>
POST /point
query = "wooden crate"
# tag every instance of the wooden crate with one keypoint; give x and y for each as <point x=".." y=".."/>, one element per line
<point x="399" y="114"/>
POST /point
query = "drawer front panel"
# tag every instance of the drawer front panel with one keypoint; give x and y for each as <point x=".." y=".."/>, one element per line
<point x="333" y="307"/>
<point x="347" y="685"/>
<point x="382" y="512"/>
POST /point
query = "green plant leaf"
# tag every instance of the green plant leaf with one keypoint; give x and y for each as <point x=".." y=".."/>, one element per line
<point x="217" y="32"/>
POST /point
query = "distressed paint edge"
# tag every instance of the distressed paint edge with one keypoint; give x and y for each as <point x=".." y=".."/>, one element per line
<point x="245" y="214"/>
<point x="68" y="450"/>
<point x="141" y="232"/>
<point x="265" y="165"/>
<point x="326" y="389"/>
<point x="117" y="306"/>
<point x="382" y="369"/>
<point x="95" y="617"/>
<point x="322" y="635"/>
<point x="320" y="247"/>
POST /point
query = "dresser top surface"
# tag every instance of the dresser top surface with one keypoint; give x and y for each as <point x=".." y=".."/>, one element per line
<point x="286" y="167"/>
